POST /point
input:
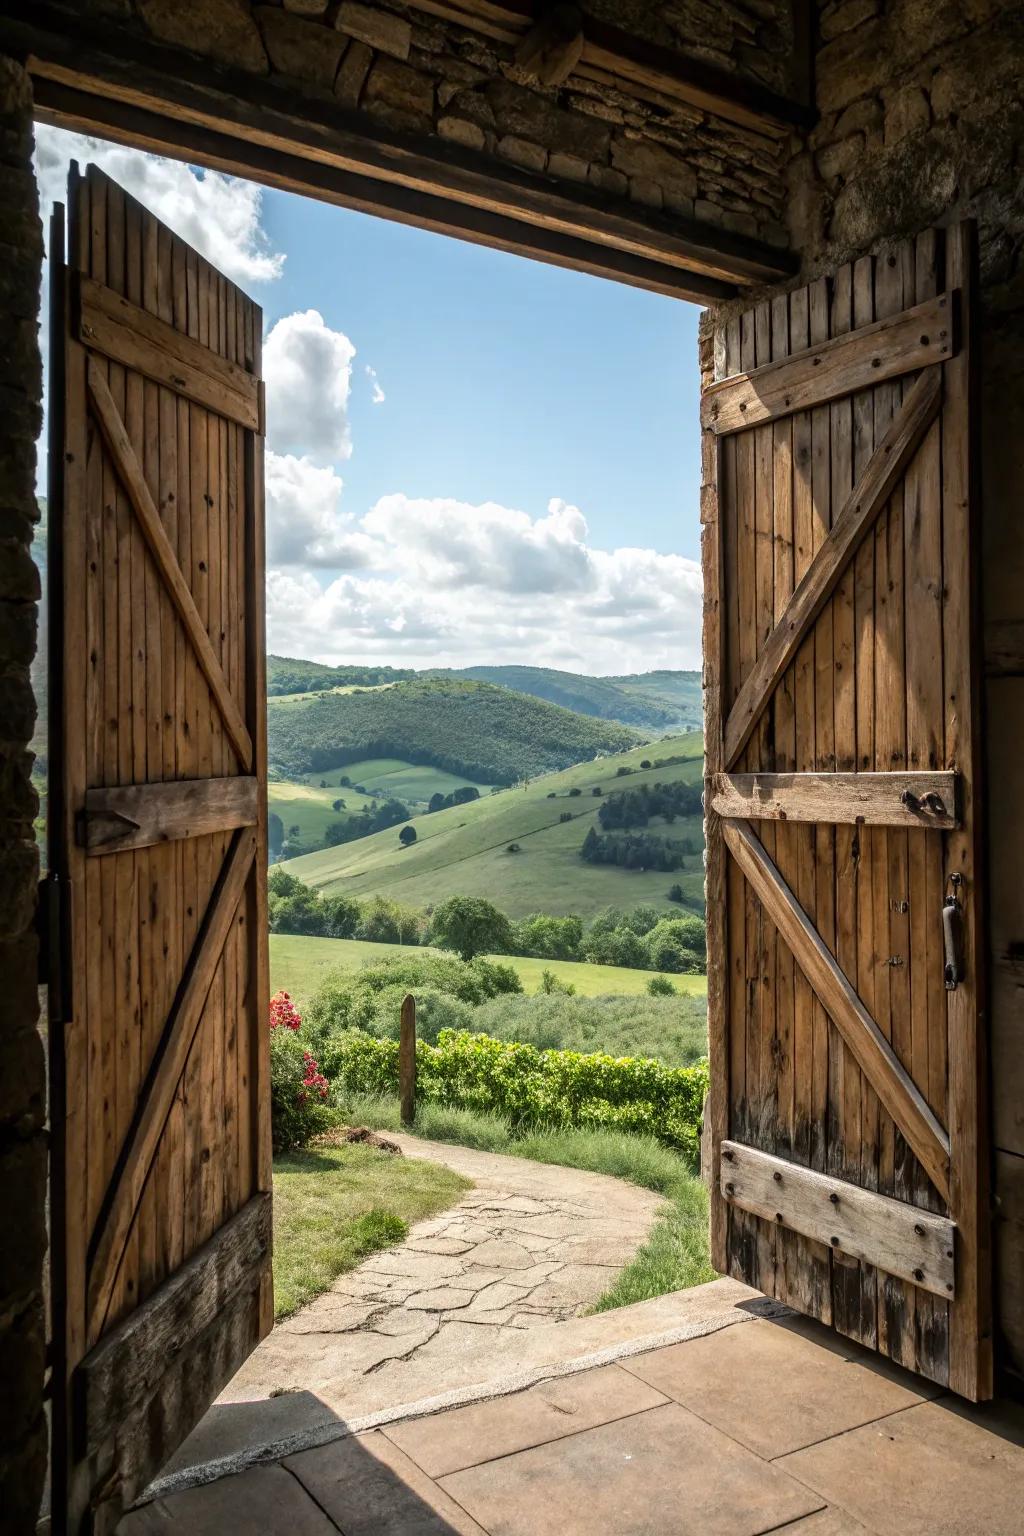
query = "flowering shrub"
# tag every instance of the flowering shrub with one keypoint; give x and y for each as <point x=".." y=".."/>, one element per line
<point x="299" y="1092"/>
<point x="531" y="1087"/>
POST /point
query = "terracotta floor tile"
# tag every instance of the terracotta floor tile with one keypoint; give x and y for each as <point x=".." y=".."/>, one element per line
<point x="777" y="1388"/>
<point x="940" y="1469"/>
<point x="371" y="1488"/>
<point x="266" y="1499"/>
<point x="659" y="1473"/>
<point x="482" y="1431"/>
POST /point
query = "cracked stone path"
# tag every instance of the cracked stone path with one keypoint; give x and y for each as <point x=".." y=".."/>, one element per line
<point x="529" y="1245"/>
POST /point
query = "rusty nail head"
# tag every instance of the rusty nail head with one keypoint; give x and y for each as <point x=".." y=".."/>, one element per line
<point x="729" y="1189"/>
<point x="919" y="1229"/>
<point x="918" y="1274"/>
<point x="777" y="1176"/>
<point x="834" y="1198"/>
<point x="834" y="1241"/>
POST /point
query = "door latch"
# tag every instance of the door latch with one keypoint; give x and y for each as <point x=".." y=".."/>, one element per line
<point x="953" y="933"/>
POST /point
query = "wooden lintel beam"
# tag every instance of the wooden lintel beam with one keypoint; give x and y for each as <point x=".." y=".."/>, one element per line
<point x="902" y="1240"/>
<point x="882" y="472"/>
<point x="261" y="116"/>
<point x="926" y="799"/>
<point x="896" y="1089"/>
<point x="886" y="349"/>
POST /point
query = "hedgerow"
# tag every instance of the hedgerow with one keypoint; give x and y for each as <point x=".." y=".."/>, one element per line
<point x="533" y="1088"/>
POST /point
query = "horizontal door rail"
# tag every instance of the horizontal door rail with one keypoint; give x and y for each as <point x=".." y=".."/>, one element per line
<point x="141" y="815"/>
<point x="901" y="1239"/>
<point x="885" y="350"/>
<point x="856" y="799"/>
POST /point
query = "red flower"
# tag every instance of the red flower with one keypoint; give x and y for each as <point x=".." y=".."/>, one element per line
<point x="283" y="1012"/>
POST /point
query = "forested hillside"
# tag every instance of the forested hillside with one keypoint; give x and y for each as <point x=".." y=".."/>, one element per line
<point x="484" y="733"/>
<point x="286" y="674"/>
<point x="605" y="698"/>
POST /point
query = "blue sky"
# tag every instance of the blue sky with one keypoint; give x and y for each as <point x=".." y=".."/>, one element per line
<point x="471" y="457"/>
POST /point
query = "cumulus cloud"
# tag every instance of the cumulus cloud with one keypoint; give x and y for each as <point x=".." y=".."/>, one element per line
<point x="308" y="369"/>
<point x="305" y="523"/>
<point x="445" y="583"/>
<point x="219" y="215"/>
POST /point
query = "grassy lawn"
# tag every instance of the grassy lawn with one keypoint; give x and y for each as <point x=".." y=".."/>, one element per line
<point x="299" y="964"/>
<point x="463" y="850"/>
<point x="675" y="1255"/>
<point x="335" y="1205"/>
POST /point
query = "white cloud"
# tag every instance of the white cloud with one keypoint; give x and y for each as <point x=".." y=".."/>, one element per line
<point x="219" y="215"/>
<point x="308" y="369"/>
<point x="444" y="583"/>
<point x="305" y="523"/>
<point x="378" y="397"/>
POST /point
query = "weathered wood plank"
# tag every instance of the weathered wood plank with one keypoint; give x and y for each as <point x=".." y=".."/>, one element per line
<point x="141" y="815"/>
<point x="123" y="454"/>
<point x="128" y="334"/>
<point x="918" y="338"/>
<point x="122" y="1200"/>
<point x="871" y="799"/>
<point x="826" y="570"/>
<point x="126" y="1367"/>
<point x="898" y="1238"/>
<point x="873" y="1052"/>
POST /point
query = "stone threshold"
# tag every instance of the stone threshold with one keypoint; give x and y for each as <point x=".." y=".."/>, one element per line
<point x="718" y="1304"/>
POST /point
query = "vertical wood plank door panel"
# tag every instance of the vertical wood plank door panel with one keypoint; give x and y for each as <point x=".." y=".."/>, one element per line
<point x="840" y="641"/>
<point x="162" y="1133"/>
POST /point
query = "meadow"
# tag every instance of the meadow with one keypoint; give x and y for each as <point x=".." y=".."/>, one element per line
<point x="298" y="965"/>
<point x="466" y="850"/>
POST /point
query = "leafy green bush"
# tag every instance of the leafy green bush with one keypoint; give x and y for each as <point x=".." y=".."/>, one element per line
<point x="532" y="1088"/>
<point x="660" y="986"/>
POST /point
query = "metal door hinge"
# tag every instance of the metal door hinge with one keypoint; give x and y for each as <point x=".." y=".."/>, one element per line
<point x="52" y="912"/>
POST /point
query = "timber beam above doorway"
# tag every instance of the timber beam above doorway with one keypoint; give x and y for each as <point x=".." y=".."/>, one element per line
<point x="143" y="93"/>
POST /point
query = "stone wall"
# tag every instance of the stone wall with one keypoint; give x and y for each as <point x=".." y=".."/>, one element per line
<point x="417" y="74"/>
<point x="22" y="1089"/>
<point x="922" y="122"/>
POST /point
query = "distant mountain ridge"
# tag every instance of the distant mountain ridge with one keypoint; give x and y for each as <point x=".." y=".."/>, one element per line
<point x="649" y="701"/>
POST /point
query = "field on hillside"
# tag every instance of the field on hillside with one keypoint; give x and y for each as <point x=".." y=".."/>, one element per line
<point x="393" y="777"/>
<point x="463" y="851"/>
<point x="307" y="804"/>
<point x="298" y="966"/>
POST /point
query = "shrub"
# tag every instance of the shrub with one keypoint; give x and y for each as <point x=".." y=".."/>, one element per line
<point x="550" y="983"/>
<point x="565" y="816"/>
<point x="534" y="1088"/>
<point x="299" y="1092"/>
<point x="660" y="986"/>
<point x="575" y="791"/>
<point x="471" y="926"/>
<point x="407" y="836"/>
<point x="672" y="1030"/>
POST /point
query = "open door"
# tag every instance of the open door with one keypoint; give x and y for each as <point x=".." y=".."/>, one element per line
<point x="847" y="1108"/>
<point x="160" y="1188"/>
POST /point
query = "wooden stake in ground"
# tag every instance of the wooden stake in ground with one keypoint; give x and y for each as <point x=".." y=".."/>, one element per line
<point x="407" y="1061"/>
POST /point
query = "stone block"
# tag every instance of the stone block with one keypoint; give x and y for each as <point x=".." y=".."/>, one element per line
<point x="22" y="1357"/>
<point x="459" y="130"/>
<point x="296" y="46"/>
<point x="19" y="578"/>
<point x="17" y="641"/>
<point x="21" y="1075"/>
<point x="23" y="1175"/>
<point x="840" y="159"/>
<point x="222" y="29"/>
<point x="352" y="73"/>
<point x="608" y="180"/>
<point x="397" y="86"/>
<point x="836" y="19"/>
<point x="568" y="167"/>
<point x="19" y="875"/>
<point x="307" y="7"/>
<point x="643" y="190"/>
<point x="532" y="157"/>
<point x="378" y="29"/>
<point x="653" y="162"/>
<point x="906" y="111"/>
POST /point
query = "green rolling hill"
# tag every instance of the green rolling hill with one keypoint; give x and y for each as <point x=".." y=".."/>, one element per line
<point x="464" y="850"/>
<point x="473" y="730"/>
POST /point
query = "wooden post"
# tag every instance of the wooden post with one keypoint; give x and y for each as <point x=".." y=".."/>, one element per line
<point x="407" y="1061"/>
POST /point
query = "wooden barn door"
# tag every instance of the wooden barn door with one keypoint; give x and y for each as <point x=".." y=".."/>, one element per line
<point x="161" y="1166"/>
<point x="847" y="1122"/>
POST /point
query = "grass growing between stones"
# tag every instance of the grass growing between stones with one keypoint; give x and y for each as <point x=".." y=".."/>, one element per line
<point x="333" y="1206"/>
<point x="675" y="1255"/>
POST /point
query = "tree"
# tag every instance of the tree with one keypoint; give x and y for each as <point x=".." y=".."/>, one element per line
<point x="471" y="926"/>
<point x="294" y="830"/>
<point x="407" y="836"/>
<point x="275" y="832"/>
<point x="436" y="802"/>
<point x="675" y="893"/>
<point x="338" y="805"/>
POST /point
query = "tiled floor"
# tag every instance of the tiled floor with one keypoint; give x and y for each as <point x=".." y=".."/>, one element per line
<point x="777" y="1426"/>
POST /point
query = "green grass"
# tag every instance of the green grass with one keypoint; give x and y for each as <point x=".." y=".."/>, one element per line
<point x="463" y="851"/>
<point x="335" y="1205"/>
<point x="298" y="965"/>
<point x="675" y="1255"/>
<point x="308" y="807"/>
